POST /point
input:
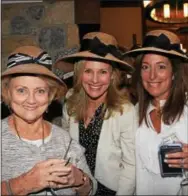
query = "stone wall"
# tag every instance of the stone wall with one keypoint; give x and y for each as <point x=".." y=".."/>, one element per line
<point x="50" y="25"/>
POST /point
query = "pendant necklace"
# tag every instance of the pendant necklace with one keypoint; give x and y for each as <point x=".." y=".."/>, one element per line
<point x="158" y="109"/>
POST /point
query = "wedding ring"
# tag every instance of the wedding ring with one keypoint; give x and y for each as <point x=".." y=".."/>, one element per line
<point x="67" y="179"/>
<point x="182" y="163"/>
<point x="49" y="184"/>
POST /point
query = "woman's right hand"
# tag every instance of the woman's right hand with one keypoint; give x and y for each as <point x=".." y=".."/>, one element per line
<point x="47" y="174"/>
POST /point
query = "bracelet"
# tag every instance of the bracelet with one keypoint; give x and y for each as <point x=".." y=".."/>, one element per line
<point x="91" y="184"/>
<point x="84" y="178"/>
<point x="9" y="190"/>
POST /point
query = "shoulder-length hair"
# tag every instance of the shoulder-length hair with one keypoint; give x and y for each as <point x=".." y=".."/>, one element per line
<point x="77" y="102"/>
<point x="177" y="98"/>
<point x="56" y="90"/>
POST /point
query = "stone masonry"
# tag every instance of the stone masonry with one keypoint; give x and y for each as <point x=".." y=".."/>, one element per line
<point x="49" y="25"/>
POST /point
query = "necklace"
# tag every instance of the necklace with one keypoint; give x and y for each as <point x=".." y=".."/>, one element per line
<point x="159" y="109"/>
<point x="159" y="112"/>
<point x="21" y="139"/>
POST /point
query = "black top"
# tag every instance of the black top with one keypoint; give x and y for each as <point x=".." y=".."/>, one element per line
<point x="88" y="138"/>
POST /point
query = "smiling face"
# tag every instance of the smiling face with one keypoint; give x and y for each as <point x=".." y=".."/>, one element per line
<point x="156" y="74"/>
<point x="96" y="79"/>
<point x="29" y="97"/>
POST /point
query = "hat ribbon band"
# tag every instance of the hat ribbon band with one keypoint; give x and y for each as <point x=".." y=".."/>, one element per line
<point x="161" y="42"/>
<point x="95" y="46"/>
<point x="62" y="74"/>
<point x="20" y="58"/>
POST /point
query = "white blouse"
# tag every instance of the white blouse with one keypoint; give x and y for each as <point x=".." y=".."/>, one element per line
<point x="148" y="177"/>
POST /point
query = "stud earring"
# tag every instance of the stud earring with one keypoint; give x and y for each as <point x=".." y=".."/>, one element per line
<point x="9" y="109"/>
<point x="46" y="110"/>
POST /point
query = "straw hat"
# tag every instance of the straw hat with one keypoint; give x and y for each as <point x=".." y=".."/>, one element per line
<point x="161" y="41"/>
<point x="30" y="60"/>
<point x="100" y="47"/>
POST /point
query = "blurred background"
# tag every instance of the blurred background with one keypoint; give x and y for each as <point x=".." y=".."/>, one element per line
<point x="58" y="25"/>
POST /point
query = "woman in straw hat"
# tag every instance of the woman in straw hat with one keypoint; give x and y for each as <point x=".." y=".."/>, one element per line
<point x="37" y="157"/>
<point x="162" y="86"/>
<point x="100" y="116"/>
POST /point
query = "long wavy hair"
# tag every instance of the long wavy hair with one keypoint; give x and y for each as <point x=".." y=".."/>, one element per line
<point x="177" y="98"/>
<point x="77" y="102"/>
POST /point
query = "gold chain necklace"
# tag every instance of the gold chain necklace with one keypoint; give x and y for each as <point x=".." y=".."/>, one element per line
<point x="17" y="132"/>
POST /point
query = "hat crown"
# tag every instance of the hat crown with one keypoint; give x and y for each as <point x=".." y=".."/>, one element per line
<point x="29" y="60"/>
<point x="32" y="51"/>
<point x="173" y="38"/>
<point x="97" y="46"/>
<point x="103" y="37"/>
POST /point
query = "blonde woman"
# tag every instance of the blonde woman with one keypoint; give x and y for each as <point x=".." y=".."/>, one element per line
<point x="37" y="157"/>
<point x="100" y="116"/>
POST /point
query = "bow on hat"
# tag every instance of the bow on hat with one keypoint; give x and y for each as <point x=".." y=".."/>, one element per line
<point x="95" y="46"/>
<point x="161" y="42"/>
<point x="20" y="58"/>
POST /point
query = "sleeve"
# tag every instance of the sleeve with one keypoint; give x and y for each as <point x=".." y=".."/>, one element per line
<point x="65" y="118"/>
<point x="79" y="160"/>
<point x="127" y="180"/>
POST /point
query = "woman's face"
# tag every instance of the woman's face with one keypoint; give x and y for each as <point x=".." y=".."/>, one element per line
<point x="96" y="79"/>
<point x="156" y="74"/>
<point x="29" y="97"/>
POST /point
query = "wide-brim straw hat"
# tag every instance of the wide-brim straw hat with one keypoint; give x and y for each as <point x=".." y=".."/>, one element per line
<point x="160" y="41"/>
<point x="98" y="46"/>
<point x="30" y="60"/>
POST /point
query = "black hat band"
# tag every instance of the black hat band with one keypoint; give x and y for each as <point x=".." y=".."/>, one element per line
<point x="95" y="46"/>
<point x="161" y="42"/>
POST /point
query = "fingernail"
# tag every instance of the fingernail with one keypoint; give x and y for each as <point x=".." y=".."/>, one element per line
<point x="169" y="165"/>
<point x="165" y="160"/>
<point x="166" y="156"/>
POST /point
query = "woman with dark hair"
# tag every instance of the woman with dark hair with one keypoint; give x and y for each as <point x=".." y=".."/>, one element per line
<point x="162" y="88"/>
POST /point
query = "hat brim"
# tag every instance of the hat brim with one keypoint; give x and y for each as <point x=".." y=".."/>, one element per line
<point x="86" y="55"/>
<point x="32" y="69"/>
<point x="138" y="51"/>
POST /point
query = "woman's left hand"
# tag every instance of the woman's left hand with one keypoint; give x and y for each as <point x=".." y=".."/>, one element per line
<point x="178" y="159"/>
<point x="75" y="177"/>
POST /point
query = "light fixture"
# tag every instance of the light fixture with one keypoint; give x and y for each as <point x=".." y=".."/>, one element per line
<point x="20" y="1"/>
<point x="168" y="11"/>
<point x="146" y="2"/>
<point x="185" y="9"/>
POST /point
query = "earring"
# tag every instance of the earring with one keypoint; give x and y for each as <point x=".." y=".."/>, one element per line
<point x="9" y="109"/>
<point x="173" y="77"/>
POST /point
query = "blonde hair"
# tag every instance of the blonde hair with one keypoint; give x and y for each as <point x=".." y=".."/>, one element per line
<point x="56" y="90"/>
<point x="77" y="102"/>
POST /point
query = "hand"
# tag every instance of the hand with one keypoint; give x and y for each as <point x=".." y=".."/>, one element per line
<point x="48" y="174"/>
<point x="179" y="159"/>
<point x="74" y="178"/>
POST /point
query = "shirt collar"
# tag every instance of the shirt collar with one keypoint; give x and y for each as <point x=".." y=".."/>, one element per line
<point x="152" y="107"/>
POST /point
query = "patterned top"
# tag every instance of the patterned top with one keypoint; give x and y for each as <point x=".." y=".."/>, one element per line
<point x="88" y="138"/>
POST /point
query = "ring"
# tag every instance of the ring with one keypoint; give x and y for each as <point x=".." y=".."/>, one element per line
<point x="182" y="163"/>
<point x="67" y="179"/>
<point x="49" y="184"/>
